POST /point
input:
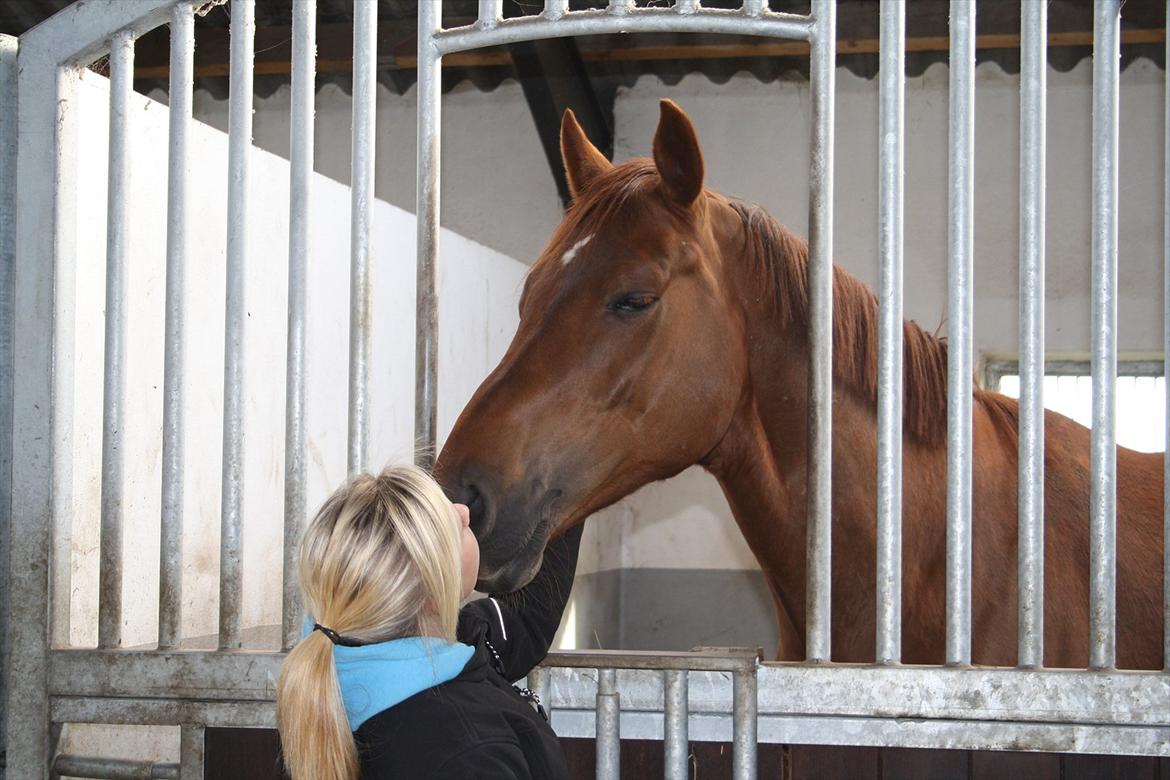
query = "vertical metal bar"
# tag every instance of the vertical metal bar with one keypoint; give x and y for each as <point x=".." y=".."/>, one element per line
<point x="170" y="600"/>
<point x="426" y="349"/>
<point x="686" y="6"/>
<point x="243" y="31"/>
<point x="555" y="9"/>
<point x="365" y="49"/>
<point x="620" y="6"/>
<point x="960" y="360"/>
<point x="1166" y="352"/>
<point x="8" y="113"/>
<point x="676" y="739"/>
<point x="744" y="707"/>
<point x="42" y="389"/>
<point x="1103" y="470"/>
<point x="1033" y="79"/>
<point x="300" y="176"/>
<point x="117" y="228"/>
<point x="191" y="752"/>
<point x="890" y="199"/>
<point x="820" y="293"/>
<point x="490" y="13"/>
<point x="608" y="726"/>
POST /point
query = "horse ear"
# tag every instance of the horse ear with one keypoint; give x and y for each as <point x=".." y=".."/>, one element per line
<point x="583" y="162"/>
<point x="677" y="155"/>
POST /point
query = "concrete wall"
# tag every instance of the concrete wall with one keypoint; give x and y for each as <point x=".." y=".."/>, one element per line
<point x="478" y="289"/>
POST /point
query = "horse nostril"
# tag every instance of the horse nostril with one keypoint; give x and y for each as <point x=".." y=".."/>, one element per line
<point x="477" y="510"/>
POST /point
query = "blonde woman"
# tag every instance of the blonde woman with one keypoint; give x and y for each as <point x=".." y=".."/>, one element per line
<point x="394" y="680"/>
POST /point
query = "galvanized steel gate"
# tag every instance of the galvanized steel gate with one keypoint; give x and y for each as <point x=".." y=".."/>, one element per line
<point x="607" y="694"/>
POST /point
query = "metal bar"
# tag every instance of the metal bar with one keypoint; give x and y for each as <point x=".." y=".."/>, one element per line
<point x="113" y="768"/>
<point x="744" y="706"/>
<point x="1166" y="352"/>
<point x="170" y="600"/>
<point x="491" y="12"/>
<point x="243" y="31"/>
<point x="538" y="683"/>
<point x="114" y="400"/>
<point x="365" y="51"/>
<point x="555" y="9"/>
<point x="80" y="33"/>
<point x="1103" y="457"/>
<point x="620" y="6"/>
<point x="8" y="113"/>
<point x="608" y="726"/>
<point x="427" y="208"/>
<point x="754" y="7"/>
<point x="301" y="134"/>
<point x="686" y="6"/>
<point x="42" y="389"/>
<point x="1033" y="112"/>
<point x="191" y="752"/>
<point x="820" y="293"/>
<point x="959" y="351"/>
<point x="632" y="20"/>
<point x="889" y="477"/>
<point x="676" y="745"/>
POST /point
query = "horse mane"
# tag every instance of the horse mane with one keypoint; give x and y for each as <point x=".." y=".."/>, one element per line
<point x="781" y="260"/>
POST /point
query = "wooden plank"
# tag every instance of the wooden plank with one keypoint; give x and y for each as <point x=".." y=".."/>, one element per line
<point x="1082" y="767"/>
<point x="907" y="764"/>
<point x="996" y="765"/>
<point x="820" y="762"/>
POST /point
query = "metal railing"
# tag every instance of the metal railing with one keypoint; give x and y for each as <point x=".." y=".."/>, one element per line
<point x="675" y="697"/>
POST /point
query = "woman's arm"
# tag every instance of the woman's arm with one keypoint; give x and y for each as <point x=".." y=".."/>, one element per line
<point x="520" y="625"/>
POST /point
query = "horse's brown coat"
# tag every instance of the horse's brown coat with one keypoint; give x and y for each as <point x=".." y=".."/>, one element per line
<point x="678" y="336"/>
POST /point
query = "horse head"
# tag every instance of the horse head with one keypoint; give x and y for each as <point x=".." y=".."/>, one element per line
<point x="628" y="362"/>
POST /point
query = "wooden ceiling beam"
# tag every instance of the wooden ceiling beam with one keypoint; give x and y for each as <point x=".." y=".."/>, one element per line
<point x="397" y="49"/>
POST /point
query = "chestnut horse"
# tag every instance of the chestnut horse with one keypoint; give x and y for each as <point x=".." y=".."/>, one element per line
<point x="665" y="325"/>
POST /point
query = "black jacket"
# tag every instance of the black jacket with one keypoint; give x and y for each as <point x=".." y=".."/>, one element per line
<point x="478" y="725"/>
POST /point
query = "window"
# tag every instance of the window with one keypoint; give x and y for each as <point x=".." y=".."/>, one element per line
<point x="1068" y="389"/>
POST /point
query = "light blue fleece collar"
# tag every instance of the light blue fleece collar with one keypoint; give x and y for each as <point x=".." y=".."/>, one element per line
<point x="376" y="677"/>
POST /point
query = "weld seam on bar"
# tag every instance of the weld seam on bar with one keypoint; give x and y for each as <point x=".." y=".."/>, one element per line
<point x="820" y="377"/>
<point x="608" y="726"/>
<point x="555" y="9"/>
<point x="1103" y="468"/>
<point x="365" y="45"/>
<point x="676" y="747"/>
<point x="491" y="12"/>
<point x="890" y="376"/>
<point x="304" y="18"/>
<point x="1033" y="77"/>
<point x="633" y="20"/>
<point x="745" y="705"/>
<point x="960" y="362"/>
<point x="243" y="29"/>
<point x="114" y="390"/>
<point x="427" y="208"/>
<point x="170" y="598"/>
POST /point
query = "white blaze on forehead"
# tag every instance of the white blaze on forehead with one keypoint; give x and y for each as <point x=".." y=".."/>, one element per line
<point x="572" y="251"/>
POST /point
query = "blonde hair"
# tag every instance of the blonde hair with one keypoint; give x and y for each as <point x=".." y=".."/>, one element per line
<point x="380" y="561"/>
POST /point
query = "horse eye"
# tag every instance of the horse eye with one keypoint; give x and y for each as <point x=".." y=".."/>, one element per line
<point x="633" y="303"/>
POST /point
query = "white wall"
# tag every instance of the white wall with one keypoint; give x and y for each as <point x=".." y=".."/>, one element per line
<point x="496" y="183"/>
<point x="478" y="288"/>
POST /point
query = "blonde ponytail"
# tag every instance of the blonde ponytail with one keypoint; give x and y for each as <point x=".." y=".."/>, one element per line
<point x="315" y="738"/>
<point x="380" y="561"/>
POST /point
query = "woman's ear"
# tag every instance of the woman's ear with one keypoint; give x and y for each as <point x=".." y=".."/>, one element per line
<point x="677" y="154"/>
